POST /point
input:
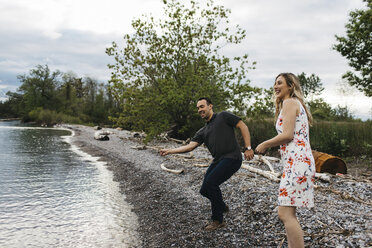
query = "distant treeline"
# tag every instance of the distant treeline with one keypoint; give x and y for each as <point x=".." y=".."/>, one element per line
<point x="48" y="98"/>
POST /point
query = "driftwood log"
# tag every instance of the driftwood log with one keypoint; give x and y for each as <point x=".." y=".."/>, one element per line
<point x="102" y="135"/>
<point x="189" y="156"/>
<point x="175" y="171"/>
<point x="323" y="176"/>
<point x="144" y="147"/>
<point x="266" y="161"/>
<point x="268" y="174"/>
<point x="272" y="175"/>
<point x="139" y="147"/>
<point x="201" y="165"/>
<point x="177" y="141"/>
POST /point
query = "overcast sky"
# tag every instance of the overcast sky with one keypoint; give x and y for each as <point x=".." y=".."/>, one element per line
<point x="282" y="36"/>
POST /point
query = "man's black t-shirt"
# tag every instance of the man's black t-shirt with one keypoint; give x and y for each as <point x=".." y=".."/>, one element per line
<point x="219" y="137"/>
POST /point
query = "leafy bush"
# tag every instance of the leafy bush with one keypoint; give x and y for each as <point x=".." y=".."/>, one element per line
<point x="344" y="139"/>
<point x="51" y="117"/>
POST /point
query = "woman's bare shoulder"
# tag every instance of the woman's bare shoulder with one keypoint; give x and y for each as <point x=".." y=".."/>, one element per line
<point x="290" y="102"/>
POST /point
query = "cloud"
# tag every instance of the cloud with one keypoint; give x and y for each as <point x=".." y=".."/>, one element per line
<point x="82" y="52"/>
<point x="100" y="17"/>
<point x="4" y="88"/>
<point x="52" y="34"/>
<point x="294" y="36"/>
<point x="71" y="35"/>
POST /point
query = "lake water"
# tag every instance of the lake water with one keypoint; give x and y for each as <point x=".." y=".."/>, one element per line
<point x="54" y="195"/>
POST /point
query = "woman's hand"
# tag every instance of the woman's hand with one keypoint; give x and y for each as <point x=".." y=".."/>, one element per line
<point x="261" y="148"/>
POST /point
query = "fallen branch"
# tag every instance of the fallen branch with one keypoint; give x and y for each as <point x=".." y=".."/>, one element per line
<point x="343" y="195"/>
<point x="252" y="162"/>
<point x="162" y="166"/>
<point x="264" y="159"/>
<point x="345" y="232"/>
<point x="190" y="156"/>
<point x="177" y="141"/>
<point x="144" y="147"/>
<point x="200" y="165"/>
<point x="359" y="179"/>
<point x="281" y="242"/>
<point x="260" y="158"/>
<point x="322" y="176"/>
<point x="337" y="224"/>
<point x="268" y="174"/>
<point x="139" y="147"/>
<point x="274" y="176"/>
<point x="198" y="160"/>
<point x="321" y="223"/>
<point x="268" y="157"/>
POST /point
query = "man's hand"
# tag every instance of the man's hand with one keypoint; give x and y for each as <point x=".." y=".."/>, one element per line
<point x="186" y="148"/>
<point x="248" y="154"/>
<point x="164" y="152"/>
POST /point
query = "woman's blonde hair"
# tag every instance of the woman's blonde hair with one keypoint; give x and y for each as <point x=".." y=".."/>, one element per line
<point x="295" y="91"/>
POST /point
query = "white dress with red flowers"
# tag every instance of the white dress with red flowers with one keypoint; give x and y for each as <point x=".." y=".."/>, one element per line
<point x="297" y="182"/>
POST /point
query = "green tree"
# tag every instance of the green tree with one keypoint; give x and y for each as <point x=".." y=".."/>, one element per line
<point x="342" y="113"/>
<point x="357" y="48"/>
<point x="13" y="106"/>
<point x="311" y="85"/>
<point x="6" y="110"/>
<point x="39" y="88"/>
<point x="167" y="64"/>
<point x="323" y="111"/>
<point x="263" y="105"/>
<point x="46" y="99"/>
<point x="320" y="109"/>
<point x="90" y="88"/>
<point x="70" y="95"/>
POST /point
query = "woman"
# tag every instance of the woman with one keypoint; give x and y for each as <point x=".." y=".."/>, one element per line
<point x="297" y="182"/>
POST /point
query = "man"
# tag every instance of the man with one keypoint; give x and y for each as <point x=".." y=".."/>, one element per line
<point x="219" y="137"/>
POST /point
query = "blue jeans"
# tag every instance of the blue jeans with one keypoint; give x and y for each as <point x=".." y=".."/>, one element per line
<point x="216" y="174"/>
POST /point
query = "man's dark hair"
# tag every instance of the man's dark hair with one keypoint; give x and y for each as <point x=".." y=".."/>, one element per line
<point x="206" y="99"/>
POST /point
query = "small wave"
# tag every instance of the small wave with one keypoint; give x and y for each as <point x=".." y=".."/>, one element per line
<point x="43" y="128"/>
<point x="127" y="223"/>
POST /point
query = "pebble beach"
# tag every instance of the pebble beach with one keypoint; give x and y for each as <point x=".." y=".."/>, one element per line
<point x="172" y="213"/>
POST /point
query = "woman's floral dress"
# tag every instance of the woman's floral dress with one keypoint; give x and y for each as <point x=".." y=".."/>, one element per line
<point x="297" y="182"/>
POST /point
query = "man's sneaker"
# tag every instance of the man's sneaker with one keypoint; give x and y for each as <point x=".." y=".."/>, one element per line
<point x="214" y="225"/>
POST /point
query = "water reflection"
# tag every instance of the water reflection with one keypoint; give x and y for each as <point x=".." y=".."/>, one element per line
<point x="52" y="194"/>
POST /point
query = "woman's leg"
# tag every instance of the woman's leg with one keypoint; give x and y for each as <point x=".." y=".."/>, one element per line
<point x="293" y="229"/>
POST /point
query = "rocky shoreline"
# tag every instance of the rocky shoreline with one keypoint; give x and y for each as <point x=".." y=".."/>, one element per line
<point x="172" y="213"/>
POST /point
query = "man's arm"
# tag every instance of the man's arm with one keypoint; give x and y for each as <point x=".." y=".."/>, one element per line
<point x="248" y="154"/>
<point x="187" y="148"/>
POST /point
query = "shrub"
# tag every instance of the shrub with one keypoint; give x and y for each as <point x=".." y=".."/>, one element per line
<point x="344" y="139"/>
<point x="51" y="117"/>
